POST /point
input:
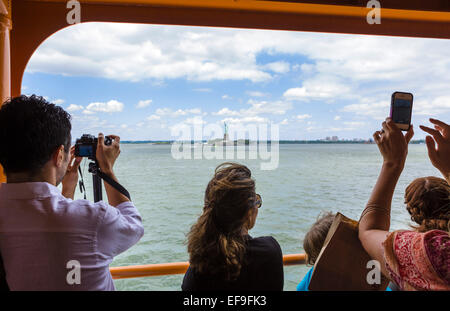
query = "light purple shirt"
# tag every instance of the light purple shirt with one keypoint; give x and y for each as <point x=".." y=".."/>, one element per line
<point x="41" y="231"/>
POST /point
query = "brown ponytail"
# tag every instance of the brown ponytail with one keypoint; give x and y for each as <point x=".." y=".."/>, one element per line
<point x="216" y="244"/>
<point x="427" y="200"/>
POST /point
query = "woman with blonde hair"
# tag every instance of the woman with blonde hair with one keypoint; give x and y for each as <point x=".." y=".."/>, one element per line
<point x="222" y="255"/>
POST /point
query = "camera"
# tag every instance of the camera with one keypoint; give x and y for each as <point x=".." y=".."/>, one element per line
<point x="86" y="146"/>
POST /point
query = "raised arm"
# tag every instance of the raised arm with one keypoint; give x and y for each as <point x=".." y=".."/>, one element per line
<point x="121" y="227"/>
<point x="439" y="146"/>
<point x="375" y="219"/>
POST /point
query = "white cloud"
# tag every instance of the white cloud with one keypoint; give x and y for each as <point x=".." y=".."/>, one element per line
<point x="163" y="111"/>
<point x="197" y="120"/>
<point x="73" y="107"/>
<point x="89" y="124"/>
<point x="337" y="118"/>
<point x="256" y="94"/>
<point x="318" y="88"/>
<point x="134" y="52"/>
<point x="110" y="106"/>
<point x="433" y="107"/>
<point x="58" y="101"/>
<point x="279" y="107"/>
<point x="226" y="96"/>
<point x="226" y="112"/>
<point x="88" y="112"/>
<point x="131" y="52"/>
<point x="304" y="116"/>
<point x="143" y="103"/>
<point x="354" y="124"/>
<point x="180" y="112"/>
<point x="153" y="117"/>
<point x="252" y="119"/>
<point x="258" y="107"/>
<point x="278" y="67"/>
<point x="376" y="110"/>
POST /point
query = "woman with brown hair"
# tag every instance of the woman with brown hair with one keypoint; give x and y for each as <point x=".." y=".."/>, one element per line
<point x="427" y="200"/>
<point x="222" y="254"/>
<point x="412" y="259"/>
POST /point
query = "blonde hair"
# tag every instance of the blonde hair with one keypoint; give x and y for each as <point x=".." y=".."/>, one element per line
<point x="315" y="237"/>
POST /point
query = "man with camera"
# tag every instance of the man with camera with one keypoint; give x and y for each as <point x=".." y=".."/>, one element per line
<point x="48" y="241"/>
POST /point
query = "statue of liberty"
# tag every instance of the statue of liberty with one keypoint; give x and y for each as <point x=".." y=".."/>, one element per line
<point x="225" y="135"/>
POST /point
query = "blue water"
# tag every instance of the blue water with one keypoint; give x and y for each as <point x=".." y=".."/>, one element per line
<point x="309" y="179"/>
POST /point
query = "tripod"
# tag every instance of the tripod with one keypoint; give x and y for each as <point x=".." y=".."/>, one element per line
<point x="97" y="181"/>
<point x="97" y="176"/>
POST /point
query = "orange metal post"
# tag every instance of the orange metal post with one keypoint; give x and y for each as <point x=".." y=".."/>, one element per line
<point x="5" y="59"/>
<point x="179" y="268"/>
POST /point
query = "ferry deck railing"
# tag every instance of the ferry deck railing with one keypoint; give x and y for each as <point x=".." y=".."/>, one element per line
<point x="125" y="272"/>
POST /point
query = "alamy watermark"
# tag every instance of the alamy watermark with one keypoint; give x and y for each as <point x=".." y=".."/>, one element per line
<point x="374" y="275"/>
<point x="241" y="142"/>
<point x="74" y="275"/>
<point x="374" y="15"/>
<point x="74" y="15"/>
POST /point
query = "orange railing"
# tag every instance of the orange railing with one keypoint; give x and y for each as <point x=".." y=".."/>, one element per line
<point x="178" y="268"/>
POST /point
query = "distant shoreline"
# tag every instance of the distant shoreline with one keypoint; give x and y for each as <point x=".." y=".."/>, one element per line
<point x="281" y="142"/>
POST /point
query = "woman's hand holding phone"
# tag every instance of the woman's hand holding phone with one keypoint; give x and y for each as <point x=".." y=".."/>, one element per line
<point x="393" y="145"/>
<point x="438" y="145"/>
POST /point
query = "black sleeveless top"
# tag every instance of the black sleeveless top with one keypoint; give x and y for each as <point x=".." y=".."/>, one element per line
<point x="262" y="271"/>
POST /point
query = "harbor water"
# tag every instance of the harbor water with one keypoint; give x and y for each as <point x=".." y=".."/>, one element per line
<point x="309" y="179"/>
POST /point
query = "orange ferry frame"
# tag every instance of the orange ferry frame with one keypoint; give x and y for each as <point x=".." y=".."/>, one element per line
<point x="25" y="24"/>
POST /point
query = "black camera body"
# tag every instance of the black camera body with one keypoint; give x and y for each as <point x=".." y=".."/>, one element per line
<point x="86" y="146"/>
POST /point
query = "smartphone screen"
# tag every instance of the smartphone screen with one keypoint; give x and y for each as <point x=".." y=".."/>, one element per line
<point x="401" y="109"/>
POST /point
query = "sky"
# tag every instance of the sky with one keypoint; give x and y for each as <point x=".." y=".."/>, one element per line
<point x="142" y="81"/>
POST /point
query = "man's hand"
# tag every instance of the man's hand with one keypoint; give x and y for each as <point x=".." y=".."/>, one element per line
<point x="393" y="145"/>
<point x="107" y="155"/>
<point x="440" y="154"/>
<point x="70" y="180"/>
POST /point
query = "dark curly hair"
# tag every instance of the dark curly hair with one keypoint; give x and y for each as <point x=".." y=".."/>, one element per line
<point x="31" y="130"/>
<point x="427" y="200"/>
<point x="215" y="243"/>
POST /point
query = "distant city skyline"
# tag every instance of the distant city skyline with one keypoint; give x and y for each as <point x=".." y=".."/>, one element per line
<point x="142" y="81"/>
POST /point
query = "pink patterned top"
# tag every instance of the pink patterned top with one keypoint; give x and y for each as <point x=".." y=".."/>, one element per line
<point x="418" y="261"/>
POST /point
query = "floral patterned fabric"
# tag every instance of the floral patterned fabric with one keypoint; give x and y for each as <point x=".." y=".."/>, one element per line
<point x="418" y="261"/>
